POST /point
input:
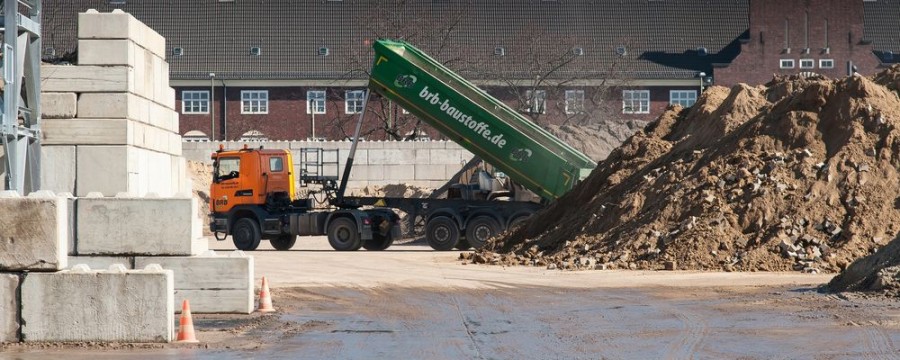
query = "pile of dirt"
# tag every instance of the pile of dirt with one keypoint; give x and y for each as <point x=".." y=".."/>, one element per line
<point x="597" y="140"/>
<point x="201" y="176"/>
<point x="393" y="190"/>
<point x="800" y="174"/>
<point x="876" y="272"/>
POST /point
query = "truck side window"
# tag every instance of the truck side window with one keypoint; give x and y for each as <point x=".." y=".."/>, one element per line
<point x="227" y="168"/>
<point x="276" y="164"/>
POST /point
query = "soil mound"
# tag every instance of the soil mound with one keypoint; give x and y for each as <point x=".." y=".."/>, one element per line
<point x="876" y="272"/>
<point x="597" y="140"/>
<point x="800" y="174"/>
<point x="201" y="177"/>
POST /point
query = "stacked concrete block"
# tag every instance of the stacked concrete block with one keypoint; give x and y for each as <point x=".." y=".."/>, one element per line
<point x="130" y="226"/>
<point x="212" y="283"/>
<point x="34" y="232"/>
<point x="9" y="308"/>
<point x="115" y="305"/>
<point x="123" y="126"/>
<point x="101" y="262"/>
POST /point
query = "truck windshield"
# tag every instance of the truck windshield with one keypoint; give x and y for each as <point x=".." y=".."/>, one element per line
<point x="227" y="168"/>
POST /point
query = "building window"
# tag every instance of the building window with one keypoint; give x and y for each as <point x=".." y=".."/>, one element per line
<point x="684" y="98"/>
<point x="636" y="101"/>
<point x="536" y="101"/>
<point x="255" y="102"/>
<point x="574" y="101"/>
<point x="826" y="64"/>
<point x="315" y="102"/>
<point x="807" y="63"/>
<point x="786" y="64"/>
<point x="195" y="102"/>
<point x="353" y="101"/>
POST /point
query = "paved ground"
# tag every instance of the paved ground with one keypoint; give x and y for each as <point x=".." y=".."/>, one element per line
<point x="411" y="302"/>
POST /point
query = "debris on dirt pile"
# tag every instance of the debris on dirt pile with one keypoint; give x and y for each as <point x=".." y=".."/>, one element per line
<point x="879" y="272"/>
<point x="201" y="176"/>
<point x="393" y="190"/>
<point x="800" y="174"/>
<point x="597" y="140"/>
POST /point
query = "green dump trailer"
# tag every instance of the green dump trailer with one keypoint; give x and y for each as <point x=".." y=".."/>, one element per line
<point x="526" y="153"/>
<point x="478" y="122"/>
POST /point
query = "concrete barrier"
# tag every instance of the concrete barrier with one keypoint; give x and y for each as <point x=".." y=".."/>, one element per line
<point x="33" y="232"/>
<point x="106" y="306"/>
<point x="103" y="262"/>
<point x="137" y="226"/>
<point x="58" y="168"/>
<point x="57" y="105"/>
<point x="212" y="283"/>
<point x="9" y="308"/>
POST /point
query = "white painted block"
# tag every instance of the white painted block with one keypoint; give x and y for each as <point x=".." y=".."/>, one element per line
<point x="136" y="226"/>
<point x="430" y="172"/>
<point x="399" y="173"/>
<point x="217" y="301"/>
<point x="58" y="105"/>
<point x="34" y="233"/>
<point x="129" y="306"/>
<point x="58" y="168"/>
<point x="102" y="262"/>
<point x="9" y="308"/>
<point x="205" y="272"/>
<point x="106" y="52"/>
<point x="84" y="79"/>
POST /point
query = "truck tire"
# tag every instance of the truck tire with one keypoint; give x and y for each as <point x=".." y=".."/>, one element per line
<point x="463" y="244"/>
<point x="480" y="229"/>
<point x="442" y="233"/>
<point x="246" y="234"/>
<point x="343" y="235"/>
<point x="379" y="242"/>
<point x="283" y="242"/>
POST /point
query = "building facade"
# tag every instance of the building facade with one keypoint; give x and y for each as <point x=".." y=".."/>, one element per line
<point x="290" y="70"/>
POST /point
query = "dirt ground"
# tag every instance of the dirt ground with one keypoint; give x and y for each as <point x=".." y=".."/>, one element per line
<point x="412" y="302"/>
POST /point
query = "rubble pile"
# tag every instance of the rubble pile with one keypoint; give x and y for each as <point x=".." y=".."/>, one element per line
<point x="878" y="272"/>
<point x="597" y="140"/>
<point x="799" y="174"/>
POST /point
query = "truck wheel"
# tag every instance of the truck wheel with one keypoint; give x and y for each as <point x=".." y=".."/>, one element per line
<point x="379" y="242"/>
<point x="442" y="233"/>
<point x="283" y="242"/>
<point x="480" y="229"/>
<point x="343" y="235"/>
<point x="246" y="234"/>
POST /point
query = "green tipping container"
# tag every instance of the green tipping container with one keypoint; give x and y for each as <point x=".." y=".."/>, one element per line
<point x="478" y="122"/>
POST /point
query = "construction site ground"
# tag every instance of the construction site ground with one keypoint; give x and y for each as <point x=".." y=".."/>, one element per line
<point x="413" y="302"/>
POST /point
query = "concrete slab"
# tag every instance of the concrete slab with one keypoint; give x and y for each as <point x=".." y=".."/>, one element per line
<point x="9" y="308"/>
<point x="120" y="25"/>
<point x="399" y="172"/>
<point x="137" y="226"/>
<point x="85" y="79"/>
<point x="58" y="168"/>
<point x="430" y="172"/>
<point x="105" y="169"/>
<point x="103" y="262"/>
<point x="114" y="106"/>
<point x="33" y="232"/>
<point x="106" y="52"/>
<point x="217" y="301"/>
<point x="391" y="157"/>
<point x="205" y="272"/>
<point x="86" y="132"/>
<point x="129" y="306"/>
<point x="58" y="105"/>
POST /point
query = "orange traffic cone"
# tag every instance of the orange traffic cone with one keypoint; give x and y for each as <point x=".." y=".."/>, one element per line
<point x="186" y="326"/>
<point x="265" y="299"/>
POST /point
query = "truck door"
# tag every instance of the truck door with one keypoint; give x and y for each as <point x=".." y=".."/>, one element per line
<point x="226" y="186"/>
<point x="277" y="173"/>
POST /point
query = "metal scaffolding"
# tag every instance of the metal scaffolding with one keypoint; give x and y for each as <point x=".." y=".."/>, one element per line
<point x="20" y="121"/>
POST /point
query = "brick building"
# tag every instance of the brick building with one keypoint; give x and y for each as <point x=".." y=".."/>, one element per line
<point x="296" y="69"/>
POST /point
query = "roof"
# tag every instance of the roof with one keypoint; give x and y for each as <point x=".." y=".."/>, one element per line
<point x="671" y="39"/>
<point x="882" y="28"/>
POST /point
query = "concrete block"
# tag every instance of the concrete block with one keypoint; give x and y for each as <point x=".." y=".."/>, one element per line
<point x="230" y="301"/>
<point x="58" y="168"/>
<point x="367" y="173"/>
<point x="9" y="308"/>
<point x="137" y="226"/>
<point x="399" y="173"/>
<point x="86" y="132"/>
<point x="114" y="106"/>
<point x="106" y="52"/>
<point x="128" y="306"/>
<point x="423" y="156"/>
<point x="169" y="100"/>
<point x="120" y="25"/>
<point x="34" y="232"/>
<point x="85" y="79"/>
<point x="58" y="105"/>
<point x="102" y="262"/>
<point x="430" y="172"/>
<point x="205" y="272"/>
<point x="448" y="157"/>
<point x="105" y="169"/>
<point x="391" y="157"/>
